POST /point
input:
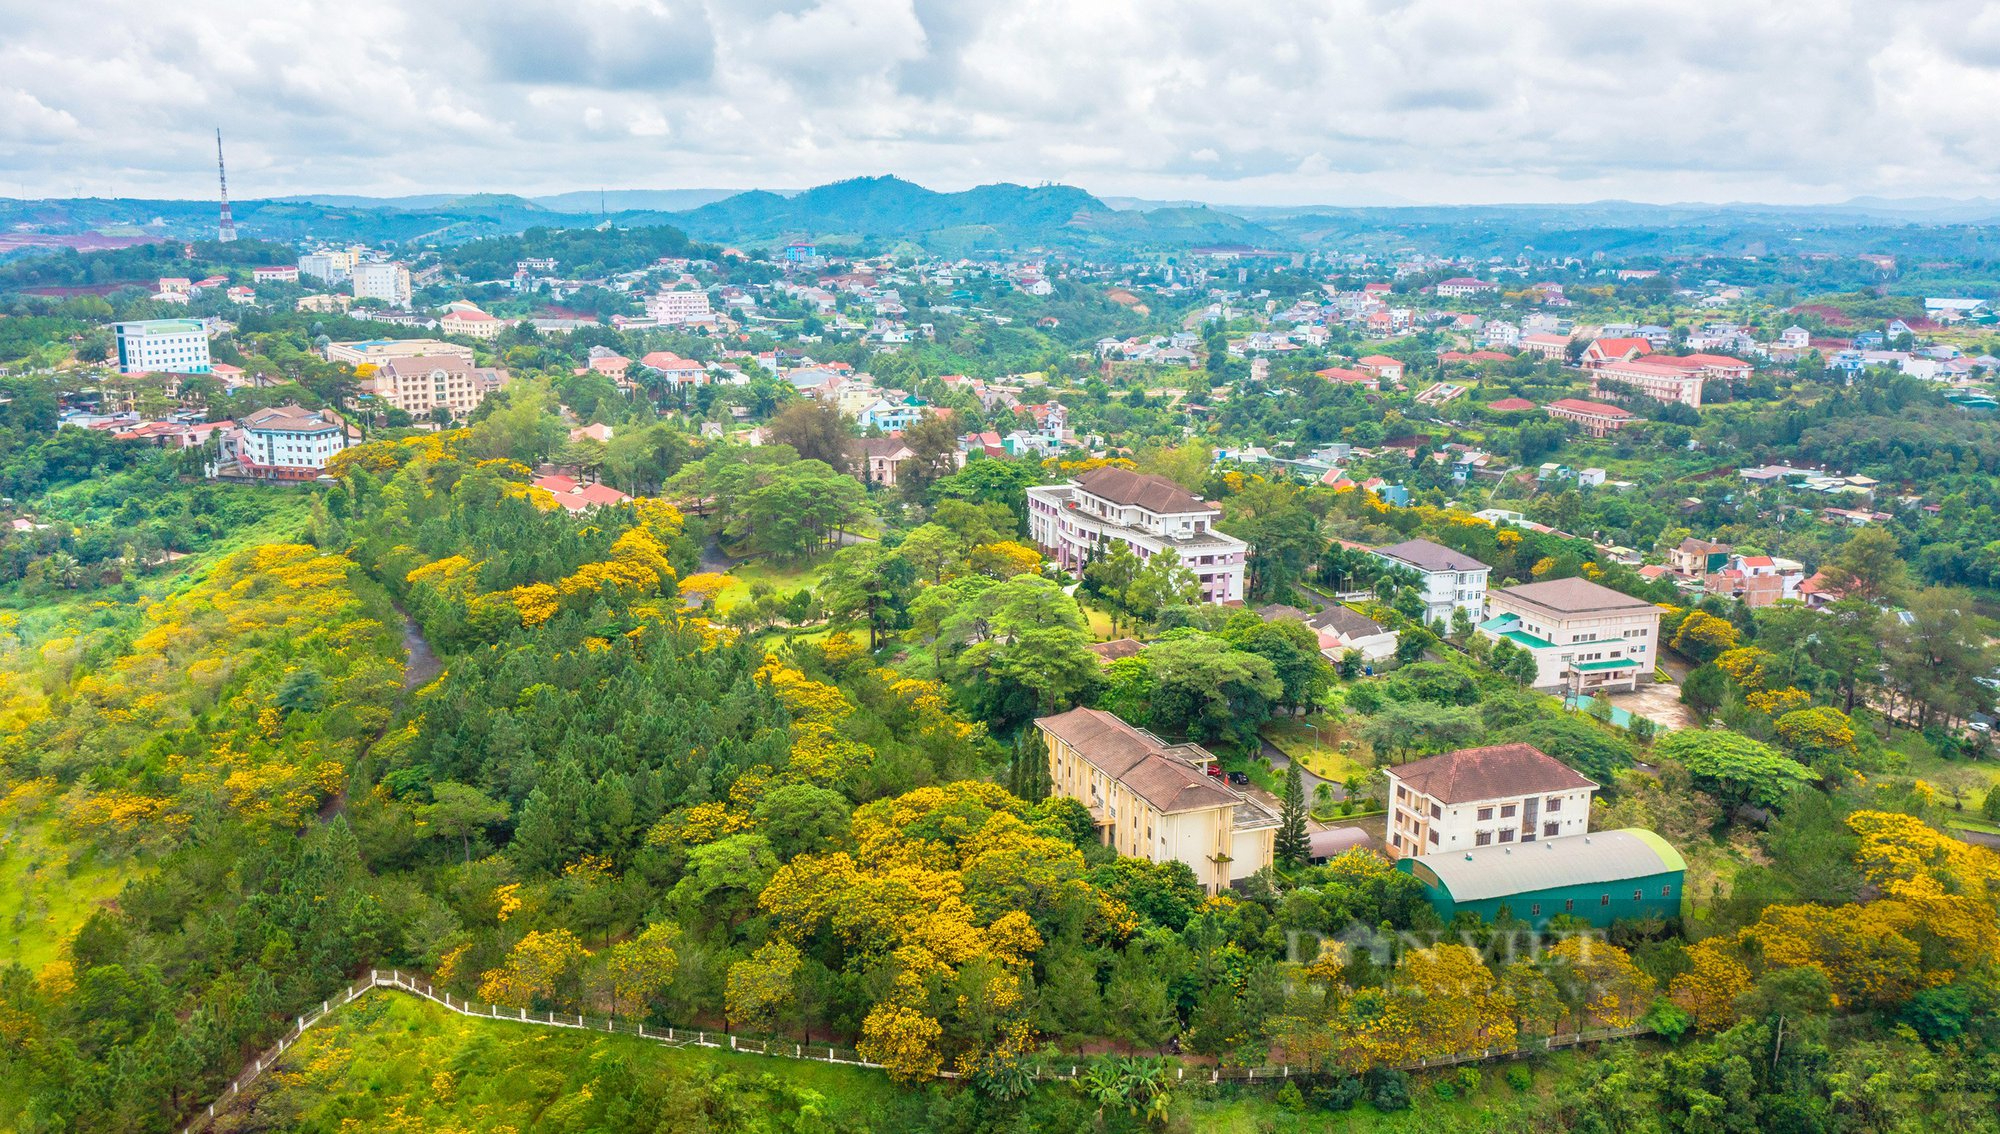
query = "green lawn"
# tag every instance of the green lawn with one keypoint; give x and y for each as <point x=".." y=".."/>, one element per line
<point x="45" y="894"/>
<point x="1317" y="753"/>
<point x="785" y="578"/>
<point x="394" y="1062"/>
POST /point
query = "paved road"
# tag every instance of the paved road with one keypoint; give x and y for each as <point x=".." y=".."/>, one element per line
<point x="1978" y="838"/>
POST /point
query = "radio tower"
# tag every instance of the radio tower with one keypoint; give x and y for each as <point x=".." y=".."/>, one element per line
<point x="226" y="229"/>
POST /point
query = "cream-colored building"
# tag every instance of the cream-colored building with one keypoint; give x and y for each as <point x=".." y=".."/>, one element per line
<point x="381" y="351"/>
<point x="1478" y="797"/>
<point x="471" y="322"/>
<point x="1586" y="638"/>
<point x="1155" y="800"/>
<point x="421" y="384"/>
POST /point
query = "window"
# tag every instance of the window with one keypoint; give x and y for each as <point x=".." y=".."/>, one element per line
<point x="1604" y="900"/>
<point x="1507" y="835"/>
<point x="1396" y="840"/>
<point x="1569" y="904"/>
<point x="1485" y="813"/>
<point x="1436" y="811"/>
<point x="1666" y="891"/>
<point x="1535" y="908"/>
<point x="1554" y="803"/>
<point x="1483" y="838"/>
<point x="1507" y="811"/>
<point x="1549" y="829"/>
<point x="1434" y="838"/>
<point x="1637" y="894"/>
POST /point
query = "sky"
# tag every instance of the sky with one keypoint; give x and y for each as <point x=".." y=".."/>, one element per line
<point x="1228" y="101"/>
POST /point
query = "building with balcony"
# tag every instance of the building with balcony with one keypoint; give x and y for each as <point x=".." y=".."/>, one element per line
<point x="280" y="443"/>
<point x="1478" y="797"/>
<point x="1155" y="800"/>
<point x="1079" y="521"/>
<point x="425" y="383"/>
<point x="1597" y="418"/>
<point x="386" y="281"/>
<point x="1452" y="580"/>
<point x="1586" y="638"/>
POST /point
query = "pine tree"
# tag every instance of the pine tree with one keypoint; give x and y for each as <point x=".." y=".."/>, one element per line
<point x="1292" y="847"/>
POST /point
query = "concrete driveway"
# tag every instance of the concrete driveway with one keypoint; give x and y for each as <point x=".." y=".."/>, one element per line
<point x="1660" y="704"/>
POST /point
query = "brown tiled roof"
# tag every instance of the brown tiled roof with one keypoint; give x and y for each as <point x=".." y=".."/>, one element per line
<point x="1137" y="761"/>
<point x="1575" y="596"/>
<point x="1427" y="556"/>
<point x="885" y="447"/>
<point x="1494" y="772"/>
<point x="1156" y="494"/>
<point x="1344" y="622"/>
<point x="425" y="363"/>
<point x="290" y="419"/>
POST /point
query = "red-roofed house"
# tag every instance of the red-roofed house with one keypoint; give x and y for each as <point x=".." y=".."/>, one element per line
<point x="1382" y="366"/>
<point x="1596" y="418"/>
<point x="471" y="322"/>
<point x="1615" y="350"/>
<point x="1351" y="377"/>
<point x="576" y="497"/>
<point x="678" y="371"/>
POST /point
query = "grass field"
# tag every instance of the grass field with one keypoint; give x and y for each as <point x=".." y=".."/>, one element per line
<point x="393" y="1062"/>
<point x="1317" y="753"/>
<point x="783" y="577"/>
<point x="45" y="894"/>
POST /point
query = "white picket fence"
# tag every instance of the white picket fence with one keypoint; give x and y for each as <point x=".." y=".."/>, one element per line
<point x="398" y="981"/>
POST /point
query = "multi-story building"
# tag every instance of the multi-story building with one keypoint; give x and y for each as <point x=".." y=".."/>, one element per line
<point x="162" y="346"/>
<point x="1155" y="800"/>
<point x="386" y="281"/>
<point x="1081" y="520"/>
<point x="673" y="308"/>
<point x="1759" y="580"/>
<point x="280" y="443"/>
<point x="1649" y="377"/>
<point x="1451" y="580"/>
<point x="421" y="384"/>
<point x="1478" y="797"/>
<point x="1597" y="418"/>
<point x="1585" y="638"/>
<point x="379" y="352"/>
<point x="330" y="266"/>
<point x="279" y="273"/>
<point x="471" y="322"/>
<point x="1464" y="287"/>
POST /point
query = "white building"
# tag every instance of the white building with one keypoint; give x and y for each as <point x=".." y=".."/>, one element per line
<point x="281" y="443"/>
<point x="675" y="308"/>
<point x="388" y="282"/>
<point x="1157" y="801"/>
<point x="328" y="266"/>
<point x="1585" y="637"/>
<point x="162" y="346"/>
<point x="1479" y="797"/>
<point x="1079" y="521"/>
<point x="471" y="322"/>
<point x="1451" y="580"/>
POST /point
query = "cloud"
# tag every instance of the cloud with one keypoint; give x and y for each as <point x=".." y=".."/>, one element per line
<point x="1226" y="100"/>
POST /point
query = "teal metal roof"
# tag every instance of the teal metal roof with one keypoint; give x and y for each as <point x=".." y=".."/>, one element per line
<point x="1523" y="638"/>
<point x="1595" y="666"/>
<point x="1578" y="860"/>
<point x="1499" y="626"/>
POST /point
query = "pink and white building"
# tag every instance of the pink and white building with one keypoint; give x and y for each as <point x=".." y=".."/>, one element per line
<point x="1081" y="520"/>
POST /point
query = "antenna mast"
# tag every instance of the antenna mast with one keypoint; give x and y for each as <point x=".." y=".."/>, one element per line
<point x="226" y="229"/>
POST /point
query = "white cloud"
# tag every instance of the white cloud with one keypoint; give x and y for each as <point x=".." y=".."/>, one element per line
<point x="1228" y="100"/>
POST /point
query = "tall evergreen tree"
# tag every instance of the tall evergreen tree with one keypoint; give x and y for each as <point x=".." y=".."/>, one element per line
<point x="1292" y="847"/>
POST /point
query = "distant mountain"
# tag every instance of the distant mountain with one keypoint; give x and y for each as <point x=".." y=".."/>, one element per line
<point x="633" y="200"/>
<point x="989" y="217"/>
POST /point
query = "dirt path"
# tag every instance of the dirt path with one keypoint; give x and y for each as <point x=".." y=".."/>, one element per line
<point x="421" y="665"/>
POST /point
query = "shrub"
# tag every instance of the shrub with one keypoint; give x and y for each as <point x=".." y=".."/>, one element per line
<point x="1291" y="1098"/>
<point x="1340" y="1092"/>
<point x="1388" y="1089"/>
<point x="1520" y="1077"/>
